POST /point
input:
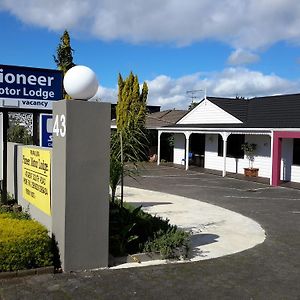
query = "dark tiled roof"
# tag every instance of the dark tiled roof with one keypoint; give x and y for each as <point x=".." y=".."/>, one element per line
<point x="276" y="112"/>
<point x="262" y="112"/>
<point x="164" y="118"/>
<point x="161" y="118"/>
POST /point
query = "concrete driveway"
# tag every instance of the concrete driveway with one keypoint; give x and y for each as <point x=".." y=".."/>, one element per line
<point x="270" y="270"/>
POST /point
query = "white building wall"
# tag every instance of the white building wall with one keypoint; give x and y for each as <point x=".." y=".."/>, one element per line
<point x="179" y="148"/>
<point x="289" y="172"/>
<point x="262" y="158"/>
<point x="295" y="173"/>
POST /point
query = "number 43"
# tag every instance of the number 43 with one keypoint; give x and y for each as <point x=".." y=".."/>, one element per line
<point x="59" y="127"/>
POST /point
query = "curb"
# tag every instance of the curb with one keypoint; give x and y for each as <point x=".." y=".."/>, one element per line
<point x="137" y="258"/>
<point x="29" y="272"/>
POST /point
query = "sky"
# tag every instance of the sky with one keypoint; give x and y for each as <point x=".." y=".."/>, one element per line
<point x="229" y="48"/>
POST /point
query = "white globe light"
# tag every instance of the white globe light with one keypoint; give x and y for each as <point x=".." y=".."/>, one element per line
<point x="80" y="82"/>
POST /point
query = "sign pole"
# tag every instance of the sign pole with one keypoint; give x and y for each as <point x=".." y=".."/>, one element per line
<point x="4" y="180"/>
<point x="35" y="127"/>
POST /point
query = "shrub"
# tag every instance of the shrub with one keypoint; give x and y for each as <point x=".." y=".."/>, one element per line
<point x="171" y="244"/>
<point x="19" y="134"/>
<point x="10" y="200"/>
<point x="131" y="229"/>
<point x="8" y="211"/>
<point x="24" y="244"/>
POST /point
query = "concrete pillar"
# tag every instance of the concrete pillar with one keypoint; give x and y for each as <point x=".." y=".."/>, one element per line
<point x="271" y="159"/>
<point x="276" y="160"/>
<point x="158" y="147"/>
<point x="224" y="137"/>
<point x="80" y="183"/>
<point x="187" y="149"/>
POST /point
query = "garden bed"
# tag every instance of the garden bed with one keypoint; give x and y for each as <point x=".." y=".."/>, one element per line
<point x="134" y="233"/>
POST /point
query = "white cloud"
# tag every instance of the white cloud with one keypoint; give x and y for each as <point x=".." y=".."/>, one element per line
<point x="106" y="95"/>
<point x="231" y="82"/>
<point x="242" y="57"/>
<point x="242" y="24"/>
<point x="171" y="93"/>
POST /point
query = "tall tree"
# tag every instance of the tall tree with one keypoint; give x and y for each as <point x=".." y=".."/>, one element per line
<point x="132" y="103"/>
<point x="64" y="55"/>
<point x="128" y="142"/>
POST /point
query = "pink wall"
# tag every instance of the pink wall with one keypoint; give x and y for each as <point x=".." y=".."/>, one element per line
<point x="277" y="145"/>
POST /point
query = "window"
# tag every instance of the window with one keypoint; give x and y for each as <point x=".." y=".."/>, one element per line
<point x="234" y="145"/>
<point x="296" y="152"/>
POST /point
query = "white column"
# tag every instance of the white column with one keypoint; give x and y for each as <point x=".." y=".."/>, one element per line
<point x="187" y="149"/>
<point x="158" y="148"/>
<point x="224" y="137"/>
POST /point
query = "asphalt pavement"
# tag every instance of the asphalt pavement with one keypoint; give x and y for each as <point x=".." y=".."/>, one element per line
<point x="270" y="270"/>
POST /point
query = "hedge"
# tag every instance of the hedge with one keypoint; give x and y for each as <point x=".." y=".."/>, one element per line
<point x="24" y="244"/>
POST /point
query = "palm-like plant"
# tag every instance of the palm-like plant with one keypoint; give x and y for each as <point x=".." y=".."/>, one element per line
<point x="126" y="150"/>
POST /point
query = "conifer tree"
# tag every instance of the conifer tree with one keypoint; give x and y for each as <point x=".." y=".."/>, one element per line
<point x="131" y="106"/>
<point x="64" y="55"/>
<point x="128" y="143"/>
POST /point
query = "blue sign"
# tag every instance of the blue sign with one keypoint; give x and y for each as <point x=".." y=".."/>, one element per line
<point x="46" y="130"/>
<point x="26" y="87"/>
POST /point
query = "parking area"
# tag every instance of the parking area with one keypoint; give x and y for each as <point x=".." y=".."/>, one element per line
<point x="270" y="270"/>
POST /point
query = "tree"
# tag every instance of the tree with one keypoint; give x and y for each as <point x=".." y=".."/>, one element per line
<point x="128" y="142"/>
<point x="64" y="56"/>
<point x="249" y="150"/>
<point x="19" y="134"/>
<point x="192" y="105"/>
<point x="131" y="106"/>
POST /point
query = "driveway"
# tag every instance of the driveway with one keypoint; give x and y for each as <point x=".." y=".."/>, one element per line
<point x="270" y="270"/>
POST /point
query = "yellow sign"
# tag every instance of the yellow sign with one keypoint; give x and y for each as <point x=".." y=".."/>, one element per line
<point x="36" y="177"/>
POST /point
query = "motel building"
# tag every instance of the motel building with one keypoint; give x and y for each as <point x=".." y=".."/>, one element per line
<point x="212" y="134"/>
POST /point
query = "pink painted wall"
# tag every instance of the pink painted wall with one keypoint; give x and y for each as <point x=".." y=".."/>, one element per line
<point x="277" y="145"/>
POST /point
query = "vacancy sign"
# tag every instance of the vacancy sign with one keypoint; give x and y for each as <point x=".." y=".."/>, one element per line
<point x="31" y="88"/>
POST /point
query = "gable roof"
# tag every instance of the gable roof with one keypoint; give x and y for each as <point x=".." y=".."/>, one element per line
<point x="281" y="111"/>
<point x="236" y="107"/>
<point x="206" y="112"/>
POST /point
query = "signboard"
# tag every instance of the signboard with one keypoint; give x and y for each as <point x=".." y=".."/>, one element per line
<point x="36" y="178"/>
<point x="31" y="88"/>
<point x="46" y="130"/>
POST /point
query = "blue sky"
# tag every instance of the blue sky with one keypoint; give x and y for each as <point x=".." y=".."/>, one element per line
<point x="229" y="47"/>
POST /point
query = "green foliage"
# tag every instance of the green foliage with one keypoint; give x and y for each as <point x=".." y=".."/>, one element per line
<point x="131" y="106"/>
<point x="14" y="215"/>
<point x="171" y="244"/>
<point x="64" y="56"/>
<point x="10" y="200"/>
<point x="124" y="158"/>
<point x="19" y="134"/>
<point x="24" y="244"/>
<point x="116" y="170"/>
<point x="249" y="150"/>
<point x="128" y="142"/>
<point x="131" y="229"/>
<point x="192" y="105"/>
